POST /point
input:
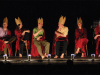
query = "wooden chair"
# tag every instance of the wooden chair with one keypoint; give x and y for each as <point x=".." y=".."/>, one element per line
<point x="26" y="50"/>
<point x="85" y="49"/>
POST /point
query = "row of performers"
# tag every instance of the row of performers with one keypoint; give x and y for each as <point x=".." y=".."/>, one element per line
<point x="39" y="46"/>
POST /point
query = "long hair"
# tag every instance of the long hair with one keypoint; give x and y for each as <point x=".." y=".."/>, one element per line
<point x="78" y="27"/>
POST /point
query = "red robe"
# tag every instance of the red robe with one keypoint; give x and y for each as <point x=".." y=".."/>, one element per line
<point x="97" y="40"/>
<point x="81" y="42"/>
<point x="2" y="44"/>
<point x="34" y="51"/>
<point x="19" y="37"/>
<point x="57" y="39"/>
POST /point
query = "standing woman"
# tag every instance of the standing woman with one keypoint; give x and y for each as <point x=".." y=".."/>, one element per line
<point x="81" y="38"/>
<point x="22" y="37"/>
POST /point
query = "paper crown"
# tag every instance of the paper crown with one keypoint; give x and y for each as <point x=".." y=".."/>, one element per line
<point x="18" y="21"/>
<point x="62" y="20"/>
<point x="5" y="20"/>
<point x="79" y="20"/>
<point x="40" y="20"/>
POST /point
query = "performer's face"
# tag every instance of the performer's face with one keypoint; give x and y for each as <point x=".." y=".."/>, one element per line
<point x="40" y="25"/>
<point x="20" y="26"/>
<point x="5" y="25"/>
<point x="60" y="25"/>
<point x="79" y="25"/>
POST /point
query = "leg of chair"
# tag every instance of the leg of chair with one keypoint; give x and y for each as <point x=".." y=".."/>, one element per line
<point x="66" y="53"/>
<point x="27" y="50"/>
<point x="15" y="52"/>
<point x="86" y="50"/>
<point x="75" y="51"/>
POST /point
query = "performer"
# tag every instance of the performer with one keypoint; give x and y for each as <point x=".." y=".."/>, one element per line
<point x="5" y="38"/>
<point x="81" y="38"/>
<point x="97" y="38"/>
<point x="61" y="36"/>
<point x="38" y="39"/>
<point x="22" y="37"/>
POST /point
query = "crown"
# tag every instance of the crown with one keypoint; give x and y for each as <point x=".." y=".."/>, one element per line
<point x="79" y="20"/>
<point x="62" y="20"/>
<point x="5" y="20"/>
<point x="18" y="21"/>
<point x="40" y="20"/>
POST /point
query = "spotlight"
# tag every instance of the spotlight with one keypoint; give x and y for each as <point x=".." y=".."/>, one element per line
<point x="49" y="56"/>
<point x="72" y="56"/>
<point x="93" y="56"/>
<point x="5" y="57"/>
<point x="29" y="57"/>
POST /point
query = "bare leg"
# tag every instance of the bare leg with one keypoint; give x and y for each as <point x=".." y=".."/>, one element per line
<point x="20" y="55"/>
<point x="99" y="55"/>
<point x="42" y="57"/>
<point x="82" y="55"/>
<point x="62" y="55"/>
<point x="45" y="55"/>
<point x="77" y="50"/>
<point x="56" y="56"/>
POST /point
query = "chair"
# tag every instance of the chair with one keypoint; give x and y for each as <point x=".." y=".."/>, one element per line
<point x="26" y="50"/>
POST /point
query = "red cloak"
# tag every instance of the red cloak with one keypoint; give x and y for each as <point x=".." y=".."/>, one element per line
<point x="34" y="51"/>
<point x="19" y="37"/>
<point x="57" y="39"/>
<point x="2" y="44"/>
<point x="97" y="40"/>
<point x="81" y="42"/>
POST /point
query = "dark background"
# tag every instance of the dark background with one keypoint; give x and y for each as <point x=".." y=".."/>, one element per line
<point x="29" y="11"/>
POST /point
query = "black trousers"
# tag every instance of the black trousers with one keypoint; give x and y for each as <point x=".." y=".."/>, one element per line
<point x="58" y="43"/>
<point x="26" y="37"/>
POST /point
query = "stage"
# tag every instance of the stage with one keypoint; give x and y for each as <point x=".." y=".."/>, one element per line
<point x="39" y="61"/>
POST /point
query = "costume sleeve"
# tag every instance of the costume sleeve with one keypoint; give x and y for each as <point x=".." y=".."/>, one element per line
<point x="96" y="31"/>
<point x="18" y="34"/>
<point x="66" y="31"/>
<point x="85" y="33"/>
<point x="76" y="34"/>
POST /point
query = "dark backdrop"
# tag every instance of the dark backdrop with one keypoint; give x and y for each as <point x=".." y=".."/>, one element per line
<point x="51" y="11"/>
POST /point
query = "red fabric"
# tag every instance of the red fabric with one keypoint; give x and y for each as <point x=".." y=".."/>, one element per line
<point x="34" y="51"/>
<point x="57" y="39"/>
<point x="19" y="37"/>
<point x="98" y="39"/>
<point x="81" y="42"/>
<point x="2" y="44"/>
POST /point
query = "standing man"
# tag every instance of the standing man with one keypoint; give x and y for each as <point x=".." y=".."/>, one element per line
<point x="39" y="38"/>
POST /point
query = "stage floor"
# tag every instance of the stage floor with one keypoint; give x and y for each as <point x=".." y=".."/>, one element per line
<point x="39" y="61"/>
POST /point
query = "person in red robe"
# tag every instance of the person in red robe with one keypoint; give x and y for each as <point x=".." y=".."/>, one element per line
<point x="22" y="37"/>
<point x="5" y="34"/>
<point x="97" y="38"/>
<point x="39" y="39"/>
<point x="61" y="36"/>
<point x="34" y="51"/>
<point x="81" y="38"/>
